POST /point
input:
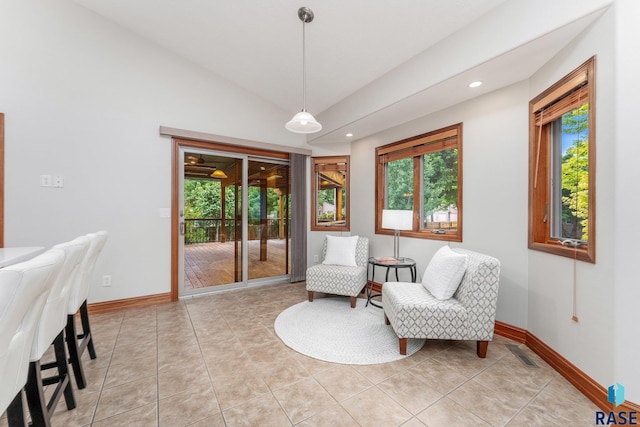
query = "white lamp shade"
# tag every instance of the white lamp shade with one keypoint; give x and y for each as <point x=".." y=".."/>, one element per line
<point x="397" y="219"/>
<point x="303" y="122"/>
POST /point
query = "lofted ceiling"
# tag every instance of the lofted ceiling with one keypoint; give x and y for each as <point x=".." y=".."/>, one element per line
<point x="371" y="64"/>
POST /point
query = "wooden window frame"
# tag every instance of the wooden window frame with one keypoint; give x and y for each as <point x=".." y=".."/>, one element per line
<point x="441" y="139"/>
<point x="556" y="100"/>
<point x="338" y="163"/>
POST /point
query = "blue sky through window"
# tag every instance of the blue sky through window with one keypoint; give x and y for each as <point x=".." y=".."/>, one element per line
<point x="569" y="138"/>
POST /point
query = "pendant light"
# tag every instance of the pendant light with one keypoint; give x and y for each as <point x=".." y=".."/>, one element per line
<point x="304" y="122"/>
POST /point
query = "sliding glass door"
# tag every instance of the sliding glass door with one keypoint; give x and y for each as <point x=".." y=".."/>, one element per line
<point x="268" y="218"/>
<point x="211" y="220"/>
<point x="228" y="238"/>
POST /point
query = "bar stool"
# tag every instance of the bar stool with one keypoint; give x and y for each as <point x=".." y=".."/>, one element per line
<point x="24" y="289"/>
<point x="50" y="330"/>
<point x="78" y="342"/>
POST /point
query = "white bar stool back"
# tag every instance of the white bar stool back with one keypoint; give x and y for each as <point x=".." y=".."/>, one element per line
<point x="78" y="342"/>
<point x="24" y="289"/>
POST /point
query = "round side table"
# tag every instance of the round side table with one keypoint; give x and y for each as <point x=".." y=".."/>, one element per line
<point x="388" y="263"/>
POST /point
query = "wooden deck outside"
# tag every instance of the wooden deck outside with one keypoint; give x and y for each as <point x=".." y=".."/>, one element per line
<point x="211" y="264"/>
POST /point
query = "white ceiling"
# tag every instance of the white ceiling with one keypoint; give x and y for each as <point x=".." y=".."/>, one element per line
<point x="352" y="48"/>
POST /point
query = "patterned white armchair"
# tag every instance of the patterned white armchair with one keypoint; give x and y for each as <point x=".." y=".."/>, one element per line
<point x="342" y="276"/>
<point x="470" y="314"/>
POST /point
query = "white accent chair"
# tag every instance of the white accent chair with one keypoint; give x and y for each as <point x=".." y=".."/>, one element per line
<point x="470" y="314"/>
<point x="339" y="279"/>
<point x="24" y="289"/>
<point x="78" y="342"/>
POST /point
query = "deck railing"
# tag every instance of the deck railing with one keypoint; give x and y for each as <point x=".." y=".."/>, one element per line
<point x="207" y="230"/>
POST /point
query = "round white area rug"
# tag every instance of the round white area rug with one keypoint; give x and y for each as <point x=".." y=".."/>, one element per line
<point x="329" y="329"/>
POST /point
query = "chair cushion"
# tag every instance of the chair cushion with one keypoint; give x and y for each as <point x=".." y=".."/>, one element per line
<point x="336" y="279"/>
<point x="341" y="251"/>
<point x="415" y="313"/>
<point x="444" y="273"/>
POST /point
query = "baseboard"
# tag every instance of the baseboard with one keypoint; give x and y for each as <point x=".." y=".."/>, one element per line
<point x="511" y="332"/>
<point x="122" y="304"/>
<point x="585" y="384"/>
<point x="376" y="288"/>
<point x="629" y="407"/>
<point x="594" y="391"/>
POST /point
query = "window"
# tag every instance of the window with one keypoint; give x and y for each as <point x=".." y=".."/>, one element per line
<point x="330" y="193"/>
<point x="423" y="174"/>
<point x="562" y="166"/>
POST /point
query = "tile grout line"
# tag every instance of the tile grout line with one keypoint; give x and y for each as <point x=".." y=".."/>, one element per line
<point x="104" y="380"/>
<point x="213" y="388"/>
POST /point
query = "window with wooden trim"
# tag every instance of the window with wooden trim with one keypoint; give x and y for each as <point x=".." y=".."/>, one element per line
<point x="423" y="174"/>
<point x="562" y="159"/>
<point x="330" y="193"/>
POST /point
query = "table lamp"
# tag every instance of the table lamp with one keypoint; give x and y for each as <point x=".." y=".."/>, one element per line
<point x="397" y="220"/>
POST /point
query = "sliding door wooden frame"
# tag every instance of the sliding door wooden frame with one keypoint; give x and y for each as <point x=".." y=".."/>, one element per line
<point x="177" y="144"/>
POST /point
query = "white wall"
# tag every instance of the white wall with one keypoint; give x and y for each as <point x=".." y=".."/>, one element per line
<point x="626" y="229"/>
<point x="536" y="288"/>
<point x="494" y="186"/>
<point x="587" y="343"/>
<point x="85" y="99"/>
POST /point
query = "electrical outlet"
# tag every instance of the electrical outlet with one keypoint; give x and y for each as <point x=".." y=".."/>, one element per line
<point x="45" y="180"/>
<point x="316" y="258"/>
<point x="58" y="181"/>
<point x="106" y="280"/>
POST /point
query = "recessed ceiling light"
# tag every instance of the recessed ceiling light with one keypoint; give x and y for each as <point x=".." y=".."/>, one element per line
<point x="349" y="135"/>
<point x="475" y="84"/>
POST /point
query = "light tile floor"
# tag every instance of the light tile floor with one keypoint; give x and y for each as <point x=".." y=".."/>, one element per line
<point x="216" y="361"/>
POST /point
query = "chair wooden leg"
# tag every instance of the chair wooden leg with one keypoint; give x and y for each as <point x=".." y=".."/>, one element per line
<point x="15" y="412"/>
<point x="35" y="396"/>
<point x="481" y="348"/>
<point x="41" y="411"/>
<point x="310" y="293"/>
<point x="353" y="302"/>
<point x="403" y="346"/>
<point x="87" y="336"/>
<point x="63" y="379"/>
<point x="386" y="320"/>
<point x="74" y="353"/>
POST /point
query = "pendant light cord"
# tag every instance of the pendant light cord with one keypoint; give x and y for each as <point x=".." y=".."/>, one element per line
<point x="304" y="67"/>
<point x="303" y="121"/>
